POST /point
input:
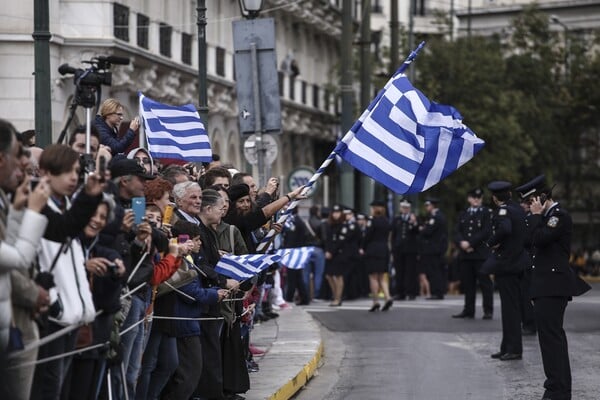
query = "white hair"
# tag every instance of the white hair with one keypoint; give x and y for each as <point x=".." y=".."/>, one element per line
<point x="181" y="188"/>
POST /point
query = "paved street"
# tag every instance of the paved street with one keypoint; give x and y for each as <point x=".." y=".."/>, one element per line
<point x="416" y="351"/>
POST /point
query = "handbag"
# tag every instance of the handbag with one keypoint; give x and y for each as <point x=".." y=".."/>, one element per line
<point x="184" y="275"/>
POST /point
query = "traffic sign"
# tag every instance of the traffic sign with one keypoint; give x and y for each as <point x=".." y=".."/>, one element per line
<point x="269" y="144"/>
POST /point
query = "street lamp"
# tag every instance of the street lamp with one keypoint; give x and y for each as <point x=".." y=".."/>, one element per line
<point x="250" y="8"/>
<point x="555" y="20"/>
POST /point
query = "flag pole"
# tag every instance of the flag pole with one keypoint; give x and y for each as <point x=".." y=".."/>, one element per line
<point x="264" y="244"/>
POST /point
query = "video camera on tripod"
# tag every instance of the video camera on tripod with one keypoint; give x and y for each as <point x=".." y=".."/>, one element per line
<point x="88" y="81"/>
<point x="88" y="90"/>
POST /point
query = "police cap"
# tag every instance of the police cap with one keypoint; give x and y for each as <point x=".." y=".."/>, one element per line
<point x="336" y="207"/>
<point x="432" y="200"/>
<point x="477" y="193"/>
<point x="405" y="203"/>
<point x="532" y="188"/>
<point x="499" y="186"/>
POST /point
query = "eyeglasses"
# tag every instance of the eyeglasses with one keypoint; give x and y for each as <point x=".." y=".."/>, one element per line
<point x="143" y="160"/>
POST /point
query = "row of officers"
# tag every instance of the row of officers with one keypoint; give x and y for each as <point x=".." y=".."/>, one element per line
<point x="524" y="246"/>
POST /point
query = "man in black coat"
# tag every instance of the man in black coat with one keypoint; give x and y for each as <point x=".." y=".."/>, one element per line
<point x="506" y="262"/>
<point x="433" y="242"/>
<point x="553" y="284"/>
<point x="473" y="228"/>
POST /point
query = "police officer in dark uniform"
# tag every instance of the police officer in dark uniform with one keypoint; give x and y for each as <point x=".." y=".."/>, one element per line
<point x="506" y="262"/>
<point x="405" y="229"/>
<point x="527" y="317"/>
<point x="473" y="229"/>
<point x="552" y="284"/>
<point x="351" y="236"/>
<point x="433" y="242"/>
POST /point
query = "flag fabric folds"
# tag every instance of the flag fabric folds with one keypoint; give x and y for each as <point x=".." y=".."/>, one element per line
<point x="246" y="266"/>
<point x="407" y="142"/>
<point x="295" y="258"/>
<point x="174" y="131"/>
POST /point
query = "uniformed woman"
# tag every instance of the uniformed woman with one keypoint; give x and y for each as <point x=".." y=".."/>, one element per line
<point x="376" y="254"/>
<point x="334" y="244"/>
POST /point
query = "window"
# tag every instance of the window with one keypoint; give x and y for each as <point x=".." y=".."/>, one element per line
<point x="280" y="77"/>
<point x="143" y="23"/>
<point x="376" y="7"/>
<point x="186" y="48"/>
<point x="220" y="67"/>
<point x="326" y="101"/>
<point x="304" y="85"/>
<point x="315" y="96"/>
<point x="292" y="87"/>
<point x="165" y="33"/>
<point x="121" y="22"/>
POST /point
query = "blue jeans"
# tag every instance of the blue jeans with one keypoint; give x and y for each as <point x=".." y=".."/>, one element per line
<point x="317" y="267"/>
<point x="133" y="343"/>
<point x="159" y="363"/>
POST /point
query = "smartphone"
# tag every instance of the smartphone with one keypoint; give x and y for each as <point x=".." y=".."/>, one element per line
<point x="138" y="205"/>
<point x="183" y="238"/>
<point x="33" y="182"/>
<point x="101" y="168"/>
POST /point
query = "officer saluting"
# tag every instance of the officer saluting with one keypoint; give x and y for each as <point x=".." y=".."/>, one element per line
<point x="473" y="229"/>
<point x="552" y="283"/>
<point x="507" y="261"/>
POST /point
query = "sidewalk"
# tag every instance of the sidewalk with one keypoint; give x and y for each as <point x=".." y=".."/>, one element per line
<point x="293" y="351"/>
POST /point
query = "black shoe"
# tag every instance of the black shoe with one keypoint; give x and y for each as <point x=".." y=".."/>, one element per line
<point x="463" y="315"/>
<point x="497" y="355"/>
<point x="487" y="316"/>
<point x="510" y="357"/>
<point x="387" y="305"/>
<point x="375" y="307"/>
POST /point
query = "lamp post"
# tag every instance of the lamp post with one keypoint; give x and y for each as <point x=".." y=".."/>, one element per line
<point x="202" y="89"/>
<point x="250" y="8"/>
<point x="555" y="20"/>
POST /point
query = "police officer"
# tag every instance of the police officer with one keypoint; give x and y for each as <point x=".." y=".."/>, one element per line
<point x="433" y="242"/>
<point x="552" y="284"/>
<point x="506" y="262"/>
<point x="527" y="317"/>
<point x="351" y="236"/>
<point x="405" y="229"/>
<point x="473" y="229"/>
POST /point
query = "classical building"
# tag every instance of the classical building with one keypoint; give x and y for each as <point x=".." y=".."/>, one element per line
<point x="160" y="39"/>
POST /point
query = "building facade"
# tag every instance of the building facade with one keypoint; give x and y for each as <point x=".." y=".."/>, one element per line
<point x="160" y="38"/>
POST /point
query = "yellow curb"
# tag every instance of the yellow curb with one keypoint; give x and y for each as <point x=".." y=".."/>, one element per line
<point x="296" y="383"/>
<point x="591" y="279"/>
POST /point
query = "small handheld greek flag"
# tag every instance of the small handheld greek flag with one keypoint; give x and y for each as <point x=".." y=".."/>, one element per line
<point x="246" y="266"/>
<point x="407" y="142"/>
<point x="295" y="258"/>
<point x="174" y="131"/>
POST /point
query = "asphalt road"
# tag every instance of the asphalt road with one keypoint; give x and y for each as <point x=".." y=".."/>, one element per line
<point x="416" y="351"/>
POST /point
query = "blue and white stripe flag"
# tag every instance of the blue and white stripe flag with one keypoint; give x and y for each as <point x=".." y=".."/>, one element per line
<point x="174" y="131"/>
<point x="246" y="266"/>
<point x="407" y="142"/>
<point x="295" y="258"/>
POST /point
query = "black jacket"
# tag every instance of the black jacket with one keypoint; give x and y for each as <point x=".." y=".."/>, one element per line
<point x="551" y="239"/>
<point x="507" y="241"/>
<point x="375" y="242"/>
<point x="433" y="238"/>
<point x="474" y="226"/>
<point x="404" y="235"/>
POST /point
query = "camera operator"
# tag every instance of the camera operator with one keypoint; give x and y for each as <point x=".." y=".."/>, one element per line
<point x="77" y="143"/>
<point x="108" y="122"/>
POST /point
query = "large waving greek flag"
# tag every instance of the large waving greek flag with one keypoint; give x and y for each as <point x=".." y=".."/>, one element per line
<point x="246" y="266"/>
<point x="174" y="131"/>
<point x="295" y="258"/>
<point x="407" y="142"/>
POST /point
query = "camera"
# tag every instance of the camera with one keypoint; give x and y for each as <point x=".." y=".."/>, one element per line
<point x="88" y="81"/>
<point x="112" y="269"/>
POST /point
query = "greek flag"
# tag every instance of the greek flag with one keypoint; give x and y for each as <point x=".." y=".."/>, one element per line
<point x="246" y="266"/>
<point x="407" y="142"/>
<point x="174" y="131"/>
<point x="295" y="258"/>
